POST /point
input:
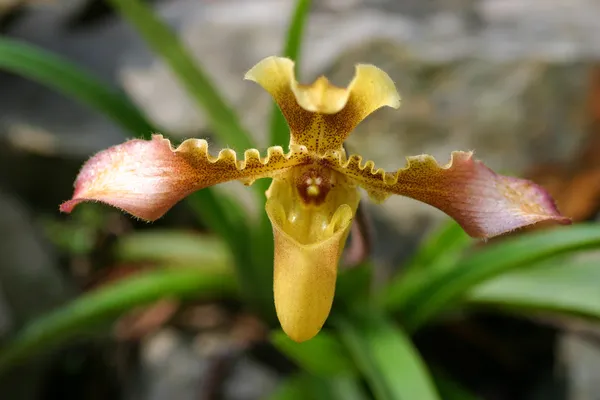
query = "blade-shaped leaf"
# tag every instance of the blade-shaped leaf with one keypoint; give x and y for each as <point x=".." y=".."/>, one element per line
<point x="353" y="285"/>
<point x="260" y="253"/>
<point x="567" y="287"/>
<point x="53" y="71"/>
<point x="442" y="248"/>
<point x="243" y="238"/>
<point x="449" y="389"/>
<point x="390" y="363"/>
<point x="220" y="212"/>
<point x="108" y="302"/>
<point x="172" y="247"/>
<point x="323" y="355"/>
<point x="440" y="251"/>
<point x="167" y="45"/>
<point x="308" y="387"/>
<point x="279" y="128"/>
<point x="447" y="287"/>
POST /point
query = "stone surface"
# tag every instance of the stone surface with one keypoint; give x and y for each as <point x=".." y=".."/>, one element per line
<point x="249" y="380"/>
<point x="580" y="362"/>
<point x="485" y="75"/>
<point x="30" y="280"/>
<point x="507" y="112"/>
<point x="30" y="285"/>
<point x="179" y="367"/>
<point x="71" y="128"/>
<point x="506" y="78"/>
<point x="168" y="369"/>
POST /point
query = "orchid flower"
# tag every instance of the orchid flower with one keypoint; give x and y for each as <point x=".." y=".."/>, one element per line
<point x="314" y="192"/>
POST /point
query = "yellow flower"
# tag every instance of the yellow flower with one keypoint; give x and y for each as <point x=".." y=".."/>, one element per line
<point x="314" y="191"/>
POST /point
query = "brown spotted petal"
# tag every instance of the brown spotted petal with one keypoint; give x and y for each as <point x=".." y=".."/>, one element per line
<point x="147" y="177"/>
<point x="484" y="203"/>
<point x="321" y="115"/>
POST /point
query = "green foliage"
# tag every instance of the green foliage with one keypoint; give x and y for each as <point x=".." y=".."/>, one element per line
<point x="73" y="81"/>
<point x="279" y="128"/>
<point x="450" y="390"/>
<point x="309" y="387"/>
<point x="365" y="351"/>
<point x="438" y="253"/>
<point x="386" y="357"/>
<point x="99" y="306"/>
<point x="242" y="237"/>
<point x="78" y="235"/>
<point x="447" y="287"/>
<point x="167" y="45"/>
<point x="569" y="287"/>
<point x="322" y="356"/>
<point x="173" y="247"/>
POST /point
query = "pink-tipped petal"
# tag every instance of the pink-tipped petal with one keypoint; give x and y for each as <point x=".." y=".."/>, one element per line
<point x="147" y="177"/>
<point x="484" y="203"/>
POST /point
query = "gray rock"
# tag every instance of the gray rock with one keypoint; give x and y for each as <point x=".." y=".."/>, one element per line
<point x="249" y="381"/>
<point x="30" y="280"/>
<point x="426" y="32"/>
<point x="177" y="367"/>
<point x="72" y="128"/>
<point x="581" y="362"/>
<point x="168" y="370"/>
<point x="6" y="319"/>
<point x="508" y="112"/>
<point x="505" y="78"/>
<point x="30" y="285"/>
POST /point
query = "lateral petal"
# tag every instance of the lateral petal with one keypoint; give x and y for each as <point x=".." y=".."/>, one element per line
<point x="147" y="177"/>
<point x="484" y="203"/>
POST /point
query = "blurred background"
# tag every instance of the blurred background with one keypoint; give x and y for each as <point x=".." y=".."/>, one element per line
<point x="518" y="81"/>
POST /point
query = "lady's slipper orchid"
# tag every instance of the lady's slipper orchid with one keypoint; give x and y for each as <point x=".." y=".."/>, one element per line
<point x="314" y="191"/>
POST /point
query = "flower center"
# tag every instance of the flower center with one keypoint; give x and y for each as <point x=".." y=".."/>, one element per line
<point x="313" y="185"/>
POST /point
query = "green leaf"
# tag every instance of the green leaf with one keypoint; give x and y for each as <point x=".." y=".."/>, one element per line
<point x="446" y="287"/>
<point x="569" y="287"/>
<point x="223" y="216"/>
<point x="301" y="387"/>
<point x="386" y="357"/>
<point x="279" y="127"/>
<point x="53" y="71"/>
<point x="57" y="73"/>
<point x="308" y="387"/>
<point x="449" y="389"/>
<point x="353" y="285"/>
<point x="441" y="251"/>
<point x="167" y="45"/>
<point x="220" y="212"/>
<point x="260" y="256"/>
<point x="173" y="247"/>
<point x="109" y="302"/>
<point x="323" y="355"/>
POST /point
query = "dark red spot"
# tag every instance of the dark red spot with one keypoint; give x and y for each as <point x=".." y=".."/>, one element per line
<point x="314" y="185"/>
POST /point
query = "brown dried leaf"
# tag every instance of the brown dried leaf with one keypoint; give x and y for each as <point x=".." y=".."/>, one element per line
<point x="575" y="186"/>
